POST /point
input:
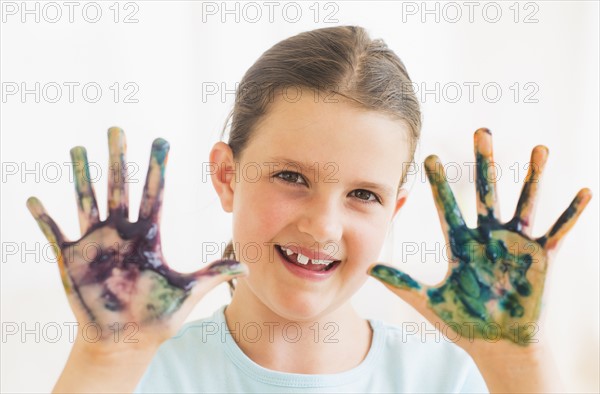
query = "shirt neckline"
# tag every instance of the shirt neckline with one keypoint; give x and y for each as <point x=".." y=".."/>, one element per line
<point x="296" y="380"/>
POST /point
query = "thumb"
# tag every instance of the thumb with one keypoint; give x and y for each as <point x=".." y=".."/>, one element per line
<point x="215" y="273"/>
<point x="403" y="285"/>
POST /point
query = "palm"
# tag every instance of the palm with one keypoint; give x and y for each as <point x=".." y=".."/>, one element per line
<point x="494" y="288"/>
<point x="495" y="281"/>
<point x="115" y="274"/>
<point x="123" y="279"/>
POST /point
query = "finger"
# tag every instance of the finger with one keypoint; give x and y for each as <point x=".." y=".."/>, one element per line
<point x="155" y="180"/>
<point x="394" y="277"/>
<point x="405" y="287"/>
<point x="449" y="213"/>
<point x="53" y="235"/>
<point x="118" y="201"/>
<point x="214" y="274"/>
<point x="485" y="178"/>
<point x="202" y="281"/>
<point x="564" y="223"/>
<point x="46" y="223"/>
<point x="523" y="218"/>
<point x="86" y="198"/>
<point x="450" y="305"/>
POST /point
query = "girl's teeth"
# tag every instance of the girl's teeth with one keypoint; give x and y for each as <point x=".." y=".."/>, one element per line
<point x="325" y="262"/>
<point x="302" y="259"/>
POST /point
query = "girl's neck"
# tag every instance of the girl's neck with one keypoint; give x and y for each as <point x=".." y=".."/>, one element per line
<point x="332" y="343"/>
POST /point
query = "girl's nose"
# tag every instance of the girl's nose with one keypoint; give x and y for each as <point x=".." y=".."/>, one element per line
<point x="322" y="219"/>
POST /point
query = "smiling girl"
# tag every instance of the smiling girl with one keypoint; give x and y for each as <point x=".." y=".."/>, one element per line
<point x="328" y="123"/>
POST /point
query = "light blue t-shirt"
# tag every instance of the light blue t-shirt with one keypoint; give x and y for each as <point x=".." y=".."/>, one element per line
<point x="204" y="358"/>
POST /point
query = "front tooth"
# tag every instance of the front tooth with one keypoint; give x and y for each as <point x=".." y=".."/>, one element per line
<point x="324" y="262"/>
<point x="288" y="252"/>
<point x="302" y="259"/>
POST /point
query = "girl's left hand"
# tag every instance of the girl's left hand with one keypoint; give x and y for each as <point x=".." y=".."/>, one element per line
<point x="492" y="294"/>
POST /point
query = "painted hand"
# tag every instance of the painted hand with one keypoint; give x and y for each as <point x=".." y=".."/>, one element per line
<point x="115" y="275"/>
<point x="494" y="285"/>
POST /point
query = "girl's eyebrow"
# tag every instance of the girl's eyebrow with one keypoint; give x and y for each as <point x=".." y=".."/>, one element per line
<point x="329" y="177"/>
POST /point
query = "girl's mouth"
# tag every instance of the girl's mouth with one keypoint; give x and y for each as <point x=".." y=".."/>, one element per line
<point x="299" y="264"/>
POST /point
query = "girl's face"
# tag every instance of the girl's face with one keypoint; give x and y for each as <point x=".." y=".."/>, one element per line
<point x="341" y="204"/>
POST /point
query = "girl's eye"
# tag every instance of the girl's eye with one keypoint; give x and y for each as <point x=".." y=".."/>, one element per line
<point x="364" y="196"/>
<point x="365" y="193"/>
<point x="289" y="177"/>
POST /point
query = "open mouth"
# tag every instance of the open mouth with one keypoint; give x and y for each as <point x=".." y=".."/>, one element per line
<point x="306" y="263"/>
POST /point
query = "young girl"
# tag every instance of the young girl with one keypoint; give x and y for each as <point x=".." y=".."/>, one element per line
<point x="323" y="128"/>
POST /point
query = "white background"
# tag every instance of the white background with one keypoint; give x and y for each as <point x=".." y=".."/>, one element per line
<point x="176" y="47"/>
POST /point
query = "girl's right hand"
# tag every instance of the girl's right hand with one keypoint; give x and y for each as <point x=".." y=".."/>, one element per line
<point x="115" y="275"/>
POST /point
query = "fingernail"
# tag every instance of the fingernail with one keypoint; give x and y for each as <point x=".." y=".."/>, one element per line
<point x="393" y="277"/>
<point x="160" y="150"/>
<point x="34" y="206"/>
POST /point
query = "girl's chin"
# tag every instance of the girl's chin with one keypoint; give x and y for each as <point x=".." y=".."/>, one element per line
<point x="308" y="308"/>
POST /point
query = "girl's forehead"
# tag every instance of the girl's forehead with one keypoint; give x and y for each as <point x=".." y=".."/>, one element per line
<point x="330" y="129"/>
<point x="355" y="145"/>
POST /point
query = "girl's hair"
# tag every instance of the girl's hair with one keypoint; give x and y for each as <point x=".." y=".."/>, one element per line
<point x="340" y="60"/>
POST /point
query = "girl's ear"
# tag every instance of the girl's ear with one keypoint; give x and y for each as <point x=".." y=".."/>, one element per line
<point x="222" y="173"/>
<point x="402" y="195"/>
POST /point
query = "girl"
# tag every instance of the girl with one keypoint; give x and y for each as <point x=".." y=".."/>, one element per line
<point x="328" y="121"/>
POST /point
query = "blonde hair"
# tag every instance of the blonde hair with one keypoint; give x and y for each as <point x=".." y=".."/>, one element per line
<point x="342" y="60"/>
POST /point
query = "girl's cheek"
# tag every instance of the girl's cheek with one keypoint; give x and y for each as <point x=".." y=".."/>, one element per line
<point x="280" y="197"/>
<point x="265" y="210"/>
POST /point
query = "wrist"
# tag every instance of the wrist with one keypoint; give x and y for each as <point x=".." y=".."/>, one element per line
<point x="99" y="355"/>
<point x="110" y="352"/>
<point x="516" y="369"/>
<point x="93" y="368"/>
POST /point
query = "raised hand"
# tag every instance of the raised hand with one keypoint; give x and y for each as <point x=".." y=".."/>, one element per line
<point x="115" y="275"/>
<point x="494" y="285"/>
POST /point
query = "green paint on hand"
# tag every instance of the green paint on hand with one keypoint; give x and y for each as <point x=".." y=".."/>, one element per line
<point x="393" y="277"/>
